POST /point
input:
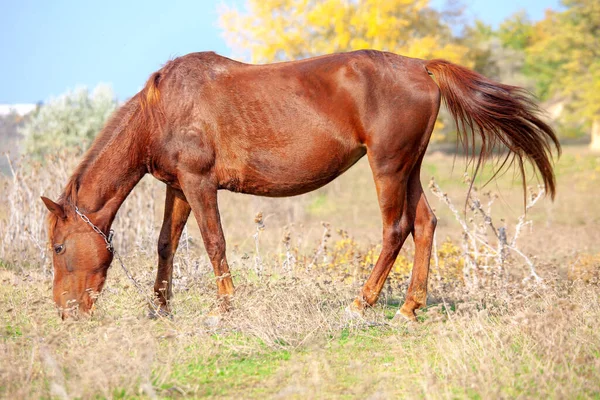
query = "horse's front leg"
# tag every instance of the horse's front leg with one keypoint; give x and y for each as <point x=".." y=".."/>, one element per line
<point x="177" y="211"/>
<point x="201" y="193"/>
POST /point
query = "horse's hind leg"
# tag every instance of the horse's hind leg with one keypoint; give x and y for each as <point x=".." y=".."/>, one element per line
<point x="395" y="159"/>
<point x="177" y="211"/>
<point x="423" y="230"/>
<point x="392" y="184"/>
<point x="404" y="210"/>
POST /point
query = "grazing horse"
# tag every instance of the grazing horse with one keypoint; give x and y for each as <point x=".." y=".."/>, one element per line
<point x="204" y="122"/>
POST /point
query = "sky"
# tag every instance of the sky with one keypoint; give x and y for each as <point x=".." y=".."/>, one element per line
<point x="49" y="47"/>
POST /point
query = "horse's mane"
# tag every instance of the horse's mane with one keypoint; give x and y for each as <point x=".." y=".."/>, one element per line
<point x="115" y="125"/>
<point x="142" y="110"/>
<point x="120" y="119"/>
<point x="109" y="132"/>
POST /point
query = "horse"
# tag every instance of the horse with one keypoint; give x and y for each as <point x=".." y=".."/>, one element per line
<point x="204" y="122"/>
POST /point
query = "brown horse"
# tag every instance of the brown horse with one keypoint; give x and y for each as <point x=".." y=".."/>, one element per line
<point x="204" y="122"/>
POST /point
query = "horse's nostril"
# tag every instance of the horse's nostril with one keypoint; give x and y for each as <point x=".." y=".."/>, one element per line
<point x="64" y="314"/>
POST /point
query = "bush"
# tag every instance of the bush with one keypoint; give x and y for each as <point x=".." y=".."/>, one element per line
<point x="70" y="120"/>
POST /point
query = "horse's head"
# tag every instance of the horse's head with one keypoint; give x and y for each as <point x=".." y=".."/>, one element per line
<point x="80" y="258"/>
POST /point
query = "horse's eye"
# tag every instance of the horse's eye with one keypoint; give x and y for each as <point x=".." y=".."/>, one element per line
<point x="59" y="248"/>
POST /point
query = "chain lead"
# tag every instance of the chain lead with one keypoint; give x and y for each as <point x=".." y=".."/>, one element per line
<point x="107" y="240"/>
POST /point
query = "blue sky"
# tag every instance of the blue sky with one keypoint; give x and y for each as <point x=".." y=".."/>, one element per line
<point x="50" y="46"/>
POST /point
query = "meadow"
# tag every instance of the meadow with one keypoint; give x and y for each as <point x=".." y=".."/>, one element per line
<point x="491" y="333"/>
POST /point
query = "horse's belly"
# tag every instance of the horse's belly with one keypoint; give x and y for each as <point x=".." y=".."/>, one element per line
<point x="281" y="175"/>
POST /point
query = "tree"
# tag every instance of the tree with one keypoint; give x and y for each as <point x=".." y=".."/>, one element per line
<point x="71" y="120"/>
<point x="516" y="31"/>
<point x="499" y="55"/>
<point x="565" y="58"/>
<point x="477" y="38"/>
<point x="277" y="30"/>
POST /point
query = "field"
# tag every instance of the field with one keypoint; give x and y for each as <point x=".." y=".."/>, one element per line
<point x="487" y="334"/>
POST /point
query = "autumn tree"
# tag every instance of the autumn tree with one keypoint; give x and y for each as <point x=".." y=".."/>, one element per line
<point x="564" y="56"/>
<point x="277" y="30"/>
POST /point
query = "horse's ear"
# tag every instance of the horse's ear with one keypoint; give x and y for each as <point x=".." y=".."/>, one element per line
<point x="54" y="208"/>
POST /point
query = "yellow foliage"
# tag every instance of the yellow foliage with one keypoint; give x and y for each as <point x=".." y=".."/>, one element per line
<point x="277" y="30"/>
<point x="451" y="262"/>
<point x="346" y="261"/>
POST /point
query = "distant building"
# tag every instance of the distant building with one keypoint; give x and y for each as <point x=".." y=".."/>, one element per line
<point x="21" y="109"/>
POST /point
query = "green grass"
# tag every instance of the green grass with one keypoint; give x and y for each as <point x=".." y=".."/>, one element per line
<point x="218" y="376"/>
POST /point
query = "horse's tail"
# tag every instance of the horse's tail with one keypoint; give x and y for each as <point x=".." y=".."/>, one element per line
<point x="499" y="114"/>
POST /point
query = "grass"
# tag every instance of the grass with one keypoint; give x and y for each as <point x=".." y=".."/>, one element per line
<point x="220" y="377"/>
<point x="288" y="337"/>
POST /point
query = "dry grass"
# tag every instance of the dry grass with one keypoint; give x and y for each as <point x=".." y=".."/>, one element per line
<point x="287" y="336"/>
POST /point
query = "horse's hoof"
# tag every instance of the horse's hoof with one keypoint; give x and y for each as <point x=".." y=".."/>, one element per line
<point x="352" y="313"/>
<point x="160" y="312"/>
<point x="212" y="321"/>
<point x="404" y="317"/>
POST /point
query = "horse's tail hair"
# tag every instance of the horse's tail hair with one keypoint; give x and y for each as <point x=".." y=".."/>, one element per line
<point x="499" y="114"/>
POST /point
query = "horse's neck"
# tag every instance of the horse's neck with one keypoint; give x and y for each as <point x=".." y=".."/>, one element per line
<point x="102" y="194"/>
<point x="114" y="166"/>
